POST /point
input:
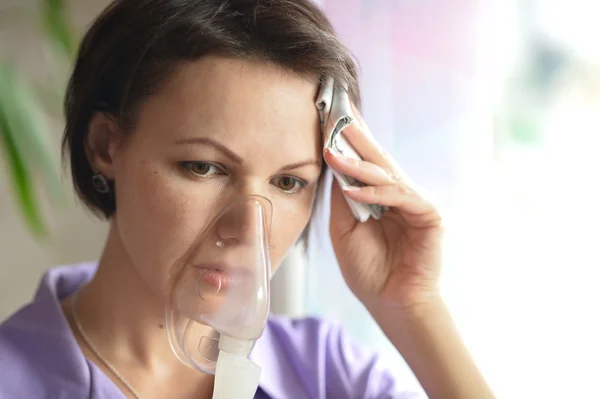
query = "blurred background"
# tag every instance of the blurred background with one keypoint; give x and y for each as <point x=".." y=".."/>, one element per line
<point x="492" y="106"/>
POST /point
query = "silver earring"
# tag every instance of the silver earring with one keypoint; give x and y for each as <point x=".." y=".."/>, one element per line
<point x="100" y="184"/>
<point x="221" y="244"/>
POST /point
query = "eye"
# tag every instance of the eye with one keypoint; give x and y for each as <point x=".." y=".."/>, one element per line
<point x="202" y="169"/>
<point x="289" y="184"/>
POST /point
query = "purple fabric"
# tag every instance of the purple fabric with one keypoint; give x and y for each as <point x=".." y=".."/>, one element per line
<point x="305" y="358"/>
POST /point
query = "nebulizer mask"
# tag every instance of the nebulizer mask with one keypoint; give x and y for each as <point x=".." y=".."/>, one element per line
<point x="219" y="297"/>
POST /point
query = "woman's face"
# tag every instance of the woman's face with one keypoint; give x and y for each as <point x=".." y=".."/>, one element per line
<point x="220" y="129"/>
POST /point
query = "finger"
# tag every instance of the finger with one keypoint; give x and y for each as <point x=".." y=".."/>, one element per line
<point x="399" y="197"/>
<point x="366" y="172"/>
<point x="342" y="220"/>
<point x="366" y="146"/>
<point x="361" y="139"/>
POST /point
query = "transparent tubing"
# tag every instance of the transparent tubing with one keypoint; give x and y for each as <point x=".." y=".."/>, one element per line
<point x="219" y="296"/>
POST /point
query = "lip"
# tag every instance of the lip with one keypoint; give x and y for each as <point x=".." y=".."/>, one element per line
<point x="220" y="275"/>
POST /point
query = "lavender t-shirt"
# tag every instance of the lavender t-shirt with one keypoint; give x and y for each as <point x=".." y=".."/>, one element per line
<point x="305" y="358"/>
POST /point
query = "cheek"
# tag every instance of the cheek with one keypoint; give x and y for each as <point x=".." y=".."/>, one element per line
<point x="158" y="218"/>
<point x="289" y="221"/>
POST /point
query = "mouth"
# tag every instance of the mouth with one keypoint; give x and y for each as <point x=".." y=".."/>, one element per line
<point x="221" y="277"/>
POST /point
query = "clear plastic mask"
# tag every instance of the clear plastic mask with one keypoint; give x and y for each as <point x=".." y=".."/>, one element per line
<point x="220" y="287"/>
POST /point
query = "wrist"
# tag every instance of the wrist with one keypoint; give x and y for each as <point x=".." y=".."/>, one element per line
<point x="415" y="312"/>
<point x="431" y="309"/>
<point x="402" y="323"/>
<point x="428" y="340"/>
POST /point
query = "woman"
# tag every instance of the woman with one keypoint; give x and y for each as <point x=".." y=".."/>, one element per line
<point x="173" y="109"/>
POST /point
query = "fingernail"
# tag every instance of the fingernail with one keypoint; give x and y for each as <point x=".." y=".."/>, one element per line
<point x="352" y="188"/>
<point x="394" y="176"/>
<point x="334" y="153"/>
<point x="408" y="191"/>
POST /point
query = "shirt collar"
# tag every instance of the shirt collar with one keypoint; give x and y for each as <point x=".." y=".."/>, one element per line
<point x="58" y="341"/>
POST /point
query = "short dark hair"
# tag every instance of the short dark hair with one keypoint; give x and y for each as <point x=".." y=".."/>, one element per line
<point x="134" y="46"/>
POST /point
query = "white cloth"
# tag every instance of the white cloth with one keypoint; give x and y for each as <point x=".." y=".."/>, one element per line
<point x="336" y="114"/>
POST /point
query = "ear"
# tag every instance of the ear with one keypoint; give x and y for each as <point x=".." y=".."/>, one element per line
<point x="103" y="140"/>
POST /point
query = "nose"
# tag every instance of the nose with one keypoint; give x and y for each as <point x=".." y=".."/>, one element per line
<point x="244" y="222"/>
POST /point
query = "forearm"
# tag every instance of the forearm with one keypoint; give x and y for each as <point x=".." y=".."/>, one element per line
<point x="430" y="344"/>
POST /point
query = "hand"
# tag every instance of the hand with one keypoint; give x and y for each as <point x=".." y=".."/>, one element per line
<point x="395" y="261"/>
<point x="393" y="265"/>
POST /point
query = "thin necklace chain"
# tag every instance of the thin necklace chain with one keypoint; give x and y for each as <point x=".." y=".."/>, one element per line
<point x="93" y="348"/>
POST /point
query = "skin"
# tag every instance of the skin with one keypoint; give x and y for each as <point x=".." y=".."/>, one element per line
<point x="266" y="116"/>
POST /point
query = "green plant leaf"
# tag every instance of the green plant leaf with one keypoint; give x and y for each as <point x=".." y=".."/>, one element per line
<point x="21" y="180"/>
<point x="56" y="24"/>
<point x="26" y="142"/>
<point x="30" y="134"/>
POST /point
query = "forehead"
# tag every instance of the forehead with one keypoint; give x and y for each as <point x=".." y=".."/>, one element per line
<point x="239" y="101"/>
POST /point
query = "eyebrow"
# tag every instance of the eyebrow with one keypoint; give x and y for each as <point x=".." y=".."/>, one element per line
<point x="211" y="143"/>
<point x="236" y="158"/>
<point x="301" y="164"/>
